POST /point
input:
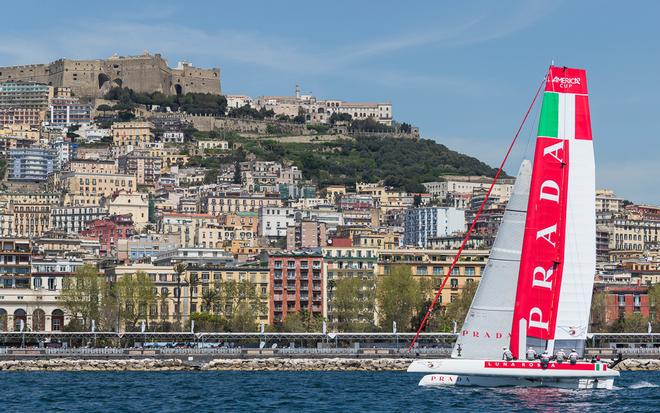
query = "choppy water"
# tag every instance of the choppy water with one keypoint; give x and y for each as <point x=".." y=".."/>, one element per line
<point x="300" y="392"/>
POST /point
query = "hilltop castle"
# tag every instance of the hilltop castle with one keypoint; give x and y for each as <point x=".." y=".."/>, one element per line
<point x="93" y="78"/>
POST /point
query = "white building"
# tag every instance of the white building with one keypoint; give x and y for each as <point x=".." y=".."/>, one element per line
<point x="238" y="101"/>
<point x="172" y="137"/>
<point x="73" y="220"/>
<point x="273" y="221"/>
<point x="424" y="223"/>
<point x="458" y="186"/>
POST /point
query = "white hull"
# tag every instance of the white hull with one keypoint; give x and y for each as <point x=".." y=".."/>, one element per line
<point x="496" y="373"/>
<point x="441" y="380"/>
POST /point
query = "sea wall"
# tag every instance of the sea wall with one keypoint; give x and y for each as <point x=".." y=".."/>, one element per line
<point x="236" y="364"/>
<point x="638" y="365"/>
<point x="324" y="364"/>
<point x="246" y="364"/>
<point x="62" y="364"/>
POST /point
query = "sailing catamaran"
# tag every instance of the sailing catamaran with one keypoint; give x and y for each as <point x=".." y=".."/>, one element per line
<point x="536" y="288"/>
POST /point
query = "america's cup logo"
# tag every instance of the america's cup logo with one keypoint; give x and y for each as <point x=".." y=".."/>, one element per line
<point x="566" y="82"/>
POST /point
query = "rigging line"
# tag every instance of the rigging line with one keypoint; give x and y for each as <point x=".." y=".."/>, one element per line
<point x="476" y="217"/>
<point x="536" y="114"/>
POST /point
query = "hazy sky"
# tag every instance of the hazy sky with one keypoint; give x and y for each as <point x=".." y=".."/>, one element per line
<point x="463" y="73"/>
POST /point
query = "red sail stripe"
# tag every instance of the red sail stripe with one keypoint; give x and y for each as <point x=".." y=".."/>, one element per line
<point x="541" y="263"/>
<point x="582" y="118"/>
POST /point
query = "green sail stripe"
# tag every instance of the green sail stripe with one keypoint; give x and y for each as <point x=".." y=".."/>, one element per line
<point x="549" y="121"/>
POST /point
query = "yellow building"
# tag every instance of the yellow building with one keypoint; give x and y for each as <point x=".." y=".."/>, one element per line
<point x="21" y="131"/>
<point x="88" y="188"/>
<point x="185" y="225"/>
<point x="93" y="166"/>
<point x="209" y="278"/>
<point x="332" y="192"/>
<point x="135" y="204"/>
<point x="383" y="240"/>
<point x="244" y="250"/>
<point x="132" y="133"/>
<point x="169" y="156"/>
<point x="432" y="265"/>
<point x="167" y="284"/>
<point x="30" y="211"/>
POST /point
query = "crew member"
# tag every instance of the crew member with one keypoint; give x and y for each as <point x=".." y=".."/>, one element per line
<point x="573" y="357"/>
<point x="560" y="356"/>
<point x="545" y="359"/>
<point x="531" y="354"/>
<point x="507" y="355"/>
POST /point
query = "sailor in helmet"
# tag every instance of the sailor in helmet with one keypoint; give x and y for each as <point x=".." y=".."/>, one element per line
<point x="573" y="356"/>
<point x="507" y="355"/>
<point x="531" y="354"/>
<point x="560" y="356"/>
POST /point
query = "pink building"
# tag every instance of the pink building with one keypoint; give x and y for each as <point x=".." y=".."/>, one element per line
<point x="296" y="284"/>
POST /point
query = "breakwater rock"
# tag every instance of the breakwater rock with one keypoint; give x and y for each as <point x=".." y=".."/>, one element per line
<point x="638" y="365"/>
<point x="298" y="364"/>
<point x="62" y="364"/>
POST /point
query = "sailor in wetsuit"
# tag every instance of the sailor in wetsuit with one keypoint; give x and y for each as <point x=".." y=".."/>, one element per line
<point x="531" y="354"/>
<point x="507" y="355"/>
<point x="573" y="357"/>
<point x="545" y="359"/>
<point x="560" y="356"/>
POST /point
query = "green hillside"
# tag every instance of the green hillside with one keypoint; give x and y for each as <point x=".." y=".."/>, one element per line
<point x="401" y="163"/>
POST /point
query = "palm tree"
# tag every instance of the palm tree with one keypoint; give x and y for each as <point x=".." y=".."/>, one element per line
<point x="211" y="299"/>
<point x="180" y="269"/>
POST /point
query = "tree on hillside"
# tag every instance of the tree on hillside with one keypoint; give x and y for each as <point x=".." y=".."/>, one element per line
<point x="103" y="108"/>
<point x="399" y="298"/>
<point x="635" y="323"/>
<point x="235" y="293"/>
<point x="81" y="295"/>
<point x="654" y="304"/>
<point x="340" y="117"/>
<point x="136" y="294"/>
<point x="243" y="318"/>
<point x="180" y="270"/>
<point x="207" y="322"/>
<point x="353" y="303"/>
<point x="458" y="309"/>
<point x="629" y="323"/>
<point x="301" y="321"/>
<point x="598" y="312"/>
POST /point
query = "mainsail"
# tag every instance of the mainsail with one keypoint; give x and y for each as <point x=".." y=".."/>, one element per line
<point x="487" y="325"/>
<point x="558" y="254"/>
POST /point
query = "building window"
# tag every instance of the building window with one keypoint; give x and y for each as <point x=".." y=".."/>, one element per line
<point x="421" y="271"/>
<point x="454" y="283"/>
<point x="622" y="300"/>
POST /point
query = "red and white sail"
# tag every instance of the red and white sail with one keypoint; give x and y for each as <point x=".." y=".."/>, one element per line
<point x="487" y="326"/>
<point x="558" y="253"/>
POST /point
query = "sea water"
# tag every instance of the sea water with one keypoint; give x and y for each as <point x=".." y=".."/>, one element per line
<point x="200" y="391"/>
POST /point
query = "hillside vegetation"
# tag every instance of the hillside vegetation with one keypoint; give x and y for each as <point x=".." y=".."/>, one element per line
<point x="400" y="163"/>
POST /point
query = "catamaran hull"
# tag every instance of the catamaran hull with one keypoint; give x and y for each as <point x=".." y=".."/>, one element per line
<point x="440" y="380"/>
<point x="495" y="373"/>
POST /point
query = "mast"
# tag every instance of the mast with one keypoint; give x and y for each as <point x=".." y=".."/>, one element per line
<point x="558" y="253"/>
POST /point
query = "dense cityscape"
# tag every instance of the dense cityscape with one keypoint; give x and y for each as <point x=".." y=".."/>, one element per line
<point x="138" y="197"/>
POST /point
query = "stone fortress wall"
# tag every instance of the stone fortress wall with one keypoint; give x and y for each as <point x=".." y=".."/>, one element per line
<point x="93" y="78"/>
